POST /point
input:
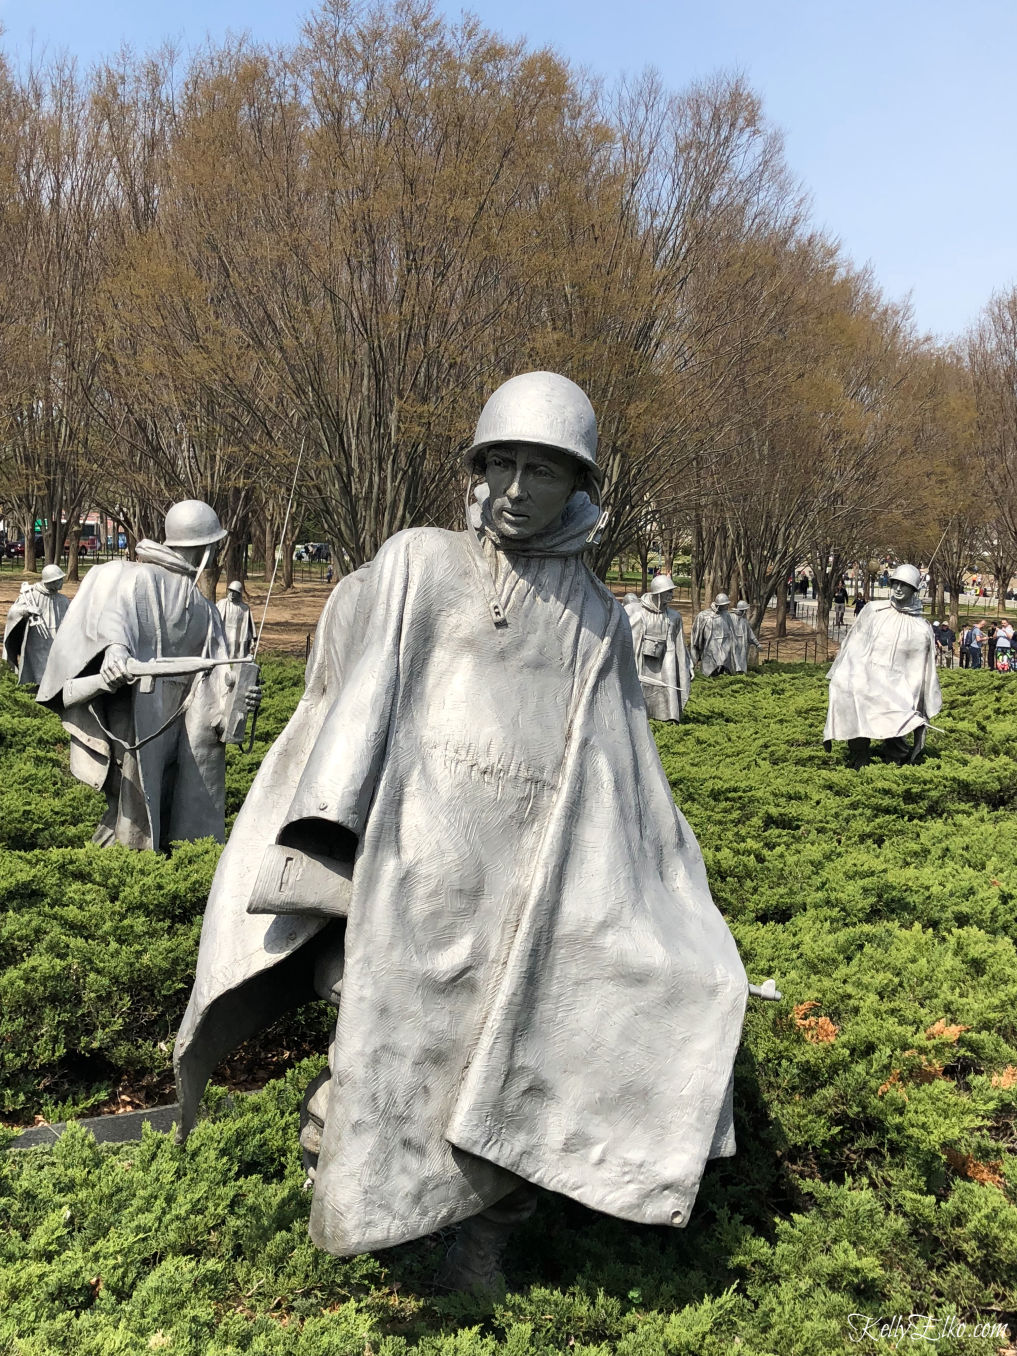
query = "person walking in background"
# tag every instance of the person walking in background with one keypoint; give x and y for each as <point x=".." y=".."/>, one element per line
<point x="839" y="604"/>
<point x="990" y="636"/>
<point x="1004" y="647"/>
<point x="859" y="603"/>
<point x="972" y="644"/>
<point x="945" y="640"/>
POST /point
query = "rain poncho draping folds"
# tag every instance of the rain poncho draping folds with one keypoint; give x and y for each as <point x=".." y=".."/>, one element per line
<point x="32" y="622"/>
<point x="883" y="681"/>
<point x="537" y="983"/>
<point x="173" y="786"/>
<point x="667" y="678"/>
<point x="713" y="641"/>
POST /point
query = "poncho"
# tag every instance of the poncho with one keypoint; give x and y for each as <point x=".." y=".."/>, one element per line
<point x="665" y="678"/>
<point x="32" y="623"/>
<point x="713" y="641"/>
<point x="883" y="681"/>
<point x="238" y="625"/>
<point x="744" y="640"/>
<point x="159" y="787"/>
<point x="537" y="982"/>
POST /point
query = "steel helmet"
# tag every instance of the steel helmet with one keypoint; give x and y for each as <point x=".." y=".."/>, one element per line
<point x="661" y="583"/>
<point x="722" y="600"/>
<point x="235" y="587"/>
<point x="192" y="522"/>
<point x="907" y="574"/>
<point x="542" y="408"/>
<point x="52" y="573"/>
<point x="742" y="605"/>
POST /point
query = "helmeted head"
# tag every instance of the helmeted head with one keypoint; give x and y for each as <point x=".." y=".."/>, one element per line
<point x="741" y="607"/>
<point x="722" y="602"/>
<point x="662" y="583"/>
<point x="535" y="445"/>
<point x="906" y="574"/>
<point x="192" y="522"/>
<point x="236" y="588"/>
<point x="543" y="409"/>
<point x="904" y="584"/>
<point x="52" y="578"/>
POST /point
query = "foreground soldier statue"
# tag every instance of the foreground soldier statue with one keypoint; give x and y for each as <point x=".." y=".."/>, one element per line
<point x="153" y="746"/>
<point x="535" y="987"/>
<point x="32" y="623"/>
<point x="883" y="683"/>
<point x="745" y="637"/>
<point x="237" y="622"/>
<point x="662" y="661"/>
<point x="713" y="638"/>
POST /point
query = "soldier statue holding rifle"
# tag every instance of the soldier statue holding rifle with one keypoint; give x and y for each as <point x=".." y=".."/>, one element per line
<point x="142" y="678"/>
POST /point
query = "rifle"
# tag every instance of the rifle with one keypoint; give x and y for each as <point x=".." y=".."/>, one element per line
<point x="79" y="691"/>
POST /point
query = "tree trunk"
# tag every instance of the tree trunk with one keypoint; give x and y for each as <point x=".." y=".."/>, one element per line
<point x="954" y="586"/>
<point x="30" y="561"/>
<point x="73" y="550"/>
<point x="268" y="544"/>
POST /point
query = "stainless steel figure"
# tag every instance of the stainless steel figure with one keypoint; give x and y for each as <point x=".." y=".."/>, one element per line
<point x="237" y="622"/>
<point x="32" y="622"/>
<point x="536" y="987"/>
<point x="662" y="661"/>
<point x="148" y="738"/>
<point x="713" y="638"/>
<point x="745" y="637"/>
<point x="883" y="682"/>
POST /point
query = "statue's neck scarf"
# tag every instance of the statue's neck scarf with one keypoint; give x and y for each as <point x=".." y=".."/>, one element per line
<point x="569" y="536"/>
<point x="157" y="553"/>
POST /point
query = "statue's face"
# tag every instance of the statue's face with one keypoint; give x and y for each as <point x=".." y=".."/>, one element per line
<point x="901" y="593"/>
<point x="54" y="585"/>
<point x="664" y="599"/>
<point x="530" y="487"/>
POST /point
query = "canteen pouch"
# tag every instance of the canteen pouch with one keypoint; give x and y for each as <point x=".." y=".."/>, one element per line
<point x="653" y="649"/>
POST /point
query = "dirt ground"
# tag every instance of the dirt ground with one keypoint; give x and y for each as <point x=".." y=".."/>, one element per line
<point x="293" y="615"/>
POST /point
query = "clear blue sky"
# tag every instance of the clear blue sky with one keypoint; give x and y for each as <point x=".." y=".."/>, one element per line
<point x="900" y="117"/>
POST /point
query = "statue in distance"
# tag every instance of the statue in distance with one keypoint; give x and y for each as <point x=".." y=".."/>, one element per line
<point x="237" y="622"/>
<point x="714" y="642"/>
<point x="745" y="638"/>
<point x="32" y="623"/>
<point x="475" y="855"/>
<point x="139" y="676"/>
<point x="883" y="682"/>
<point x="662" y="661"/>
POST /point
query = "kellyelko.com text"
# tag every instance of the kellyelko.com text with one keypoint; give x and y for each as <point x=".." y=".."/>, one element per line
<point x="920" y="1328"/>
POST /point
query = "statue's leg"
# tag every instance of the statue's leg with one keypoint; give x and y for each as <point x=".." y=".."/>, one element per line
<point x="328" y="978"/>
<point x="858" y="751"/>
<point x="474" y="1260"/>
<point x="919" y="744"/>
<point x="897" y="749"/>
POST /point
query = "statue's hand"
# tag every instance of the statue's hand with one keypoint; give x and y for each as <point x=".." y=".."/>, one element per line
<point x="253" y="699"/>
<point x="114" y="667"/>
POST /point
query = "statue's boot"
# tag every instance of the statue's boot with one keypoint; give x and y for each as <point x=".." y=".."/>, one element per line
<point x="858" y="752"/>
<point x="475" y="1258"/>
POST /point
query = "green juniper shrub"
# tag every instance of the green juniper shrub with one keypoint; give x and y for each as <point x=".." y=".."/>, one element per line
<point x="876" y="1104"/>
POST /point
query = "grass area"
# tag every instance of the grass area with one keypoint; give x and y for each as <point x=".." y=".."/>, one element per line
<point x="876" y="1105"/>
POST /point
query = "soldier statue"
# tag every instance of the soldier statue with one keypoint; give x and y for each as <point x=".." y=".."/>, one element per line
<point x="473" y="852"/>
<point x="713" y="638"/>
<point x="662" y="661"/>
<point x="139" y="676"/>
<point x="745" y="638"/>
<point x="237" y="622"/>
<point x="883" y="683"/>
<point x="32" y="623"/>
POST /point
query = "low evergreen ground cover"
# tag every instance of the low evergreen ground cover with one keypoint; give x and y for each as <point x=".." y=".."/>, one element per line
<point x="876" y="1105"/>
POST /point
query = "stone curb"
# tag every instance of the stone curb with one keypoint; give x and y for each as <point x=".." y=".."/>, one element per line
<point x="122" y="1129"/>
